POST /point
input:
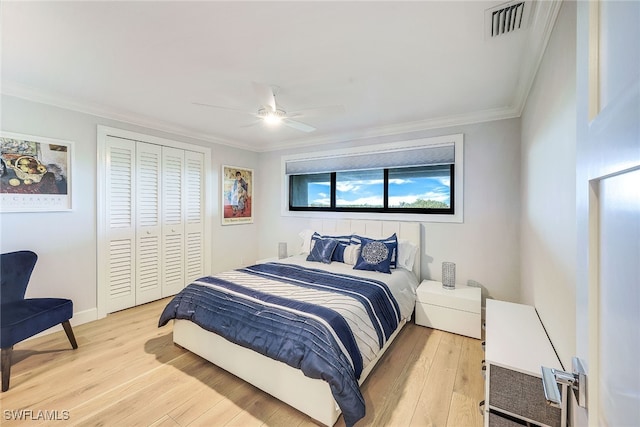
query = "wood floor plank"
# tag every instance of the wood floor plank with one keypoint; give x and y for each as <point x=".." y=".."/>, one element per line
<point x="226" y="409"/>
<point x="165" y="421"/>
<point x="286" y="416"/>
<point x="92" y="374"/>
<point x="163" y="385"/>
<point x="378" y="388"/>
<point x="464" y="411"/>
<point x="404" y="396"/>
<point x="128" y="372"/>
<point x="205" y="395"/>
<point x="263" y="407"/>
<point x="435" y="398"/>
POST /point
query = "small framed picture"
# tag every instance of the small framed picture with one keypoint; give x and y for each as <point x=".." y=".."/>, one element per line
<point x="237" y="195"/>
<point x="35" y="173"/>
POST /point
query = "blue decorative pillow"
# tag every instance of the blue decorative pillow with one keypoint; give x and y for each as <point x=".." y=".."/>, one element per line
<point x="391" y="242"/>
<point x="323" y="250"/>
<point x="343" y="242"/>
<point x="376" y="255"/>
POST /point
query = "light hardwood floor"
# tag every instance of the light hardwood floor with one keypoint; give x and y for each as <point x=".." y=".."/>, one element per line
<point x="128" y="372"/>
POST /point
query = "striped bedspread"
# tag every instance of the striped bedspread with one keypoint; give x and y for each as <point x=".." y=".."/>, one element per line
<point x="327" y="324"/>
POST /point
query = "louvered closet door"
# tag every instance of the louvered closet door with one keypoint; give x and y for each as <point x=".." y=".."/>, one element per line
<point x="120" y="224"/>
<point x="149" y="226"/>
<point x="173" y="227"/>
<point x="194" y="215"/>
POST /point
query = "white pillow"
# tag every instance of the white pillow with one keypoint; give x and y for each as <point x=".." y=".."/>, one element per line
<point x="305" y="235"/>
<point x="351" y="254"/>
<point x="406" y="254"/>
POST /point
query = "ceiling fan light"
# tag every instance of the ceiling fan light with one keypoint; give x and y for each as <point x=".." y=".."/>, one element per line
<point x="271" y="117"/>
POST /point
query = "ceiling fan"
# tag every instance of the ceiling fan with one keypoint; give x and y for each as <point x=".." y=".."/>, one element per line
<point x="273" y="114"/>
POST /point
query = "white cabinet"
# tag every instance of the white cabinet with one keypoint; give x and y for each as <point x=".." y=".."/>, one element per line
<point x="153" y="221"/>
<point x="516" y="348"/>
<point x="456" y="310"/>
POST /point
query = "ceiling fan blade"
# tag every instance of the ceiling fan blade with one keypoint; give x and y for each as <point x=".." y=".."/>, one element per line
<point x="329" y="109"/>
<point x="298" y="125"/>
<point x="235" y="110"/>
<point x="266" y="96"/>
<point x="252" y="124"/>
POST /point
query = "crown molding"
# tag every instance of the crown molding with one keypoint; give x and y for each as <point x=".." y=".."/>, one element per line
<point x="403" y="128"/>
<point x="61" y="101"/>
<point x="30" y="94"/>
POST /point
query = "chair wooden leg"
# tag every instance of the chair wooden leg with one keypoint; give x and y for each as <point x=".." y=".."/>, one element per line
<point x="5" y="362"/>
<point x="72" y="339"/>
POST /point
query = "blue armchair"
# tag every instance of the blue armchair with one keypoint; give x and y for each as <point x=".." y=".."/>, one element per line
<point x="22" y="318"/>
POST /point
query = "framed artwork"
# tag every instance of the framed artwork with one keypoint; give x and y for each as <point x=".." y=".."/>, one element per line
<point x="35" y="173"/>
<point x="237" y="195"/>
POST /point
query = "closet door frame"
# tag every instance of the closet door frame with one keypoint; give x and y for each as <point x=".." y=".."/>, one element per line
<point x="103" y="132"/>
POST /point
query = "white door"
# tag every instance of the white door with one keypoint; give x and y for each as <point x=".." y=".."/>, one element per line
<point x="117" y="255"/>
<point x="173" y="207"/>
<point x="148" y="220"/>
<point x="608" y="188"/>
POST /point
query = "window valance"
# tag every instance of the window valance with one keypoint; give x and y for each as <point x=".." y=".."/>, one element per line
<point x="404" y="157"/>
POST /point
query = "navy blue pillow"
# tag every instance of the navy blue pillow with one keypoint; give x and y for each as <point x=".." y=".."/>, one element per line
<point x="338" y="254"/>
<point x="375" y="255"/>
<point x="343" y="242"/>
<point x="323" y="250"/>
<point x="391" y="242"/>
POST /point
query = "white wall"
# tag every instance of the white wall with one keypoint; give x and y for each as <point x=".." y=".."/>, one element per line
<point x="548" y="257"/>
<point x="485" y="247"/>
<point x="66" y="241"/>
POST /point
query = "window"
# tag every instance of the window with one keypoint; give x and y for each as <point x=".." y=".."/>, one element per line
<point x="422" y="187"/>
<point x="423" y="190"/>
<point x="360" y="189"/>
<point x="419" y="177"/>
<point x="310" y="191"/>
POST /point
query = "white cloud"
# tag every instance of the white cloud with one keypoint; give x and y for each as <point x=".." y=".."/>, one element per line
<point x="347" y="186"/>
<point x="399" y="181"/>
<point x="371" y="201"/>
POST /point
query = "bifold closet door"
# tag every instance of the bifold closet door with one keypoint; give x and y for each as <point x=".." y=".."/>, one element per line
<point x="149" y="227"/>
<point x="154" y="205"/>
<point x="194" y="215"/>
<point x="120" y="223"/>
<point x="173" y="224"/>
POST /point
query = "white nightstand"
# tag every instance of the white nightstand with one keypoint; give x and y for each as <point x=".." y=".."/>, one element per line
<point x="456" y="310"/>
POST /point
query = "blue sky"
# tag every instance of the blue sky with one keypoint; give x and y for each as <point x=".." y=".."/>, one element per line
<point x="370" y="191"/>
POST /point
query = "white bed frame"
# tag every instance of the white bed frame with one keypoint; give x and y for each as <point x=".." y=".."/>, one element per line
<point x="310" y="396"/>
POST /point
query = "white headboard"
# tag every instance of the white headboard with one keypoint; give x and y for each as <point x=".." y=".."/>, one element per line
<point x="375" y="229"/>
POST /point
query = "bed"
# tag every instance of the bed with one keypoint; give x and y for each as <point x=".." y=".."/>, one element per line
<point x="322" y="377"/>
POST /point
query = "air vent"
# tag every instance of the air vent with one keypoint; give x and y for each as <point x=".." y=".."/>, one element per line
<point x="506" y="18"/>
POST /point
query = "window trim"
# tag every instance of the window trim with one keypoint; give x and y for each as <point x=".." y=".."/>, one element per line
<point x="431" y="142"/>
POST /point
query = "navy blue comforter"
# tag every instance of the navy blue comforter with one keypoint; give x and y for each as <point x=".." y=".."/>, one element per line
<point x="312" y="338"/>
